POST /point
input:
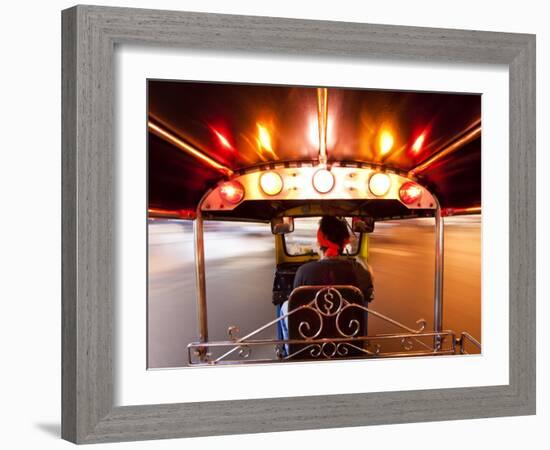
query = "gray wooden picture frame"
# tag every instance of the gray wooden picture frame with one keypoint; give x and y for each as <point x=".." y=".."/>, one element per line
<point x="90" y="34"/>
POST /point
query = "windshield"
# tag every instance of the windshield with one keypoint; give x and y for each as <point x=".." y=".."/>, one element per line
<point x="303" y="240"/>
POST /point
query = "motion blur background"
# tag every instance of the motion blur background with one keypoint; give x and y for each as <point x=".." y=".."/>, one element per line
<point x="240" y="266"/>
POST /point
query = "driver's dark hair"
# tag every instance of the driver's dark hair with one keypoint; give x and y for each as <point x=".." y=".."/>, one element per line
<point x="334" y="229"/>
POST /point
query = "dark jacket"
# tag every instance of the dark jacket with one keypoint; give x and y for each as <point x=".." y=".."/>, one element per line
<point x="333" y="271"/>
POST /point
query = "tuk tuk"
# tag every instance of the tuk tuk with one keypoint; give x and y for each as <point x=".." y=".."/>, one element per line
<point x="325" y="321"/>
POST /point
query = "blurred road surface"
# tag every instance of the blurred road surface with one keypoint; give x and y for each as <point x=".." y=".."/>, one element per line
<point x="240" y="264"/>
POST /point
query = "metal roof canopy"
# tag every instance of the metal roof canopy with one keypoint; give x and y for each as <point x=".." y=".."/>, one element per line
<point x="202" y="133"/>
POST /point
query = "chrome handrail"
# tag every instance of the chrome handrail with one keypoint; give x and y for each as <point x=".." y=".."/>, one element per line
<point x="328" y="302"/>
<point x="471" y="339"/>
<point x="317" y="347"/>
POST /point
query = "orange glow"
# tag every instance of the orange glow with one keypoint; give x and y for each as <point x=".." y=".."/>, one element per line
<point x="171" y="213"/>
<point x="313" y="132"/>
<point x="386" y="142"/>
<point x="253" y="147"/>
<point x="264" y="139"/>
<point x="458" y="211"/>
<point x="162" y="133"/>
<point x="322" y="118"/>
<point x="473" y="209"/>
<point x="417" y="146"/>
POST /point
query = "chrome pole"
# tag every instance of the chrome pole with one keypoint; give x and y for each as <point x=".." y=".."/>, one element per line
<point x="322" y="121"/>
<point x="198" y="231"/>
<point x="438" y="285"/>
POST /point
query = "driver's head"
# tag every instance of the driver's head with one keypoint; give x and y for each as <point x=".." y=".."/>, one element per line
<point x="333" y="235"/>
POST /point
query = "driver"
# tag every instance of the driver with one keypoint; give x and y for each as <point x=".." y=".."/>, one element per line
<point x="333" y="268"/>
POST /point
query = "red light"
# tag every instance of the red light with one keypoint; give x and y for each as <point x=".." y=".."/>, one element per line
<point x="223" y="140"/>
<point x="410" y="193"/>
<point x="418" y="143"/>
<point x="232" y="192"/>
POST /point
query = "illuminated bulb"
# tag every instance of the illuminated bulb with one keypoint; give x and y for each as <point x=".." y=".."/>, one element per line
<point x="410" y="193"/>
<point x="232" y="192"/>
<point x="271" y="183"/>
<point x="323" y="181"/>
<point x="386" y="142"/>
<point x="379" y="184"/>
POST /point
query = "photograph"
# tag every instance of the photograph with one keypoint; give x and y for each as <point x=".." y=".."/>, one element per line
<point x="311" y="223"/>
<point x="254" y="225"/>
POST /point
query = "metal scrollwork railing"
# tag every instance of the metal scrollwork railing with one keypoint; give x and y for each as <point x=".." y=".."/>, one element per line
<point x="327" y="305"/>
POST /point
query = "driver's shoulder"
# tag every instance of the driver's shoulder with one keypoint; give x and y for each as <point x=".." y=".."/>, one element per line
<point x="308" y="266"/>
<point x="311" y="269"/>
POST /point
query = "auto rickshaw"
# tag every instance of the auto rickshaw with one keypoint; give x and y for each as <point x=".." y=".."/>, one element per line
<point x="326" y="321"/>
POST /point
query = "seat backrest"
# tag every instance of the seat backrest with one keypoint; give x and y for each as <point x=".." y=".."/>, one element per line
<point x="325" y="312"/>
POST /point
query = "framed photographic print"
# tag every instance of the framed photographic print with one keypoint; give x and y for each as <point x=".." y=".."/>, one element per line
<point x="274" y="143"/>
<point x="264" y="229"/>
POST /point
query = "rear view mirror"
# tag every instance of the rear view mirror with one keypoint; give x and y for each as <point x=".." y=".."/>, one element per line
<point x="362" y="224"/>
<point x="282" y="225"/>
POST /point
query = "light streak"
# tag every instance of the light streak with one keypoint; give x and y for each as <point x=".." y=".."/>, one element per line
<point x="187" y="148"/>
<point x="386" y="142"/>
